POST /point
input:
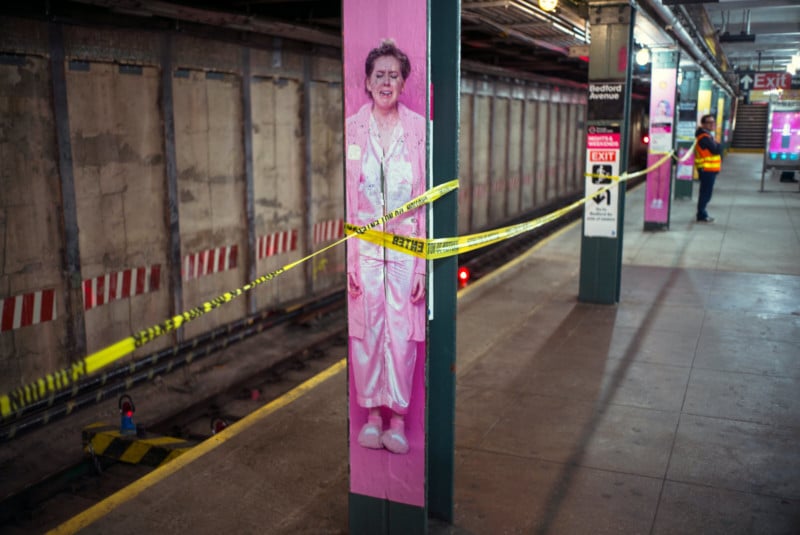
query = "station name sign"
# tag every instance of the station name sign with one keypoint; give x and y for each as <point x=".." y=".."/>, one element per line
<point x="606" y="101"/>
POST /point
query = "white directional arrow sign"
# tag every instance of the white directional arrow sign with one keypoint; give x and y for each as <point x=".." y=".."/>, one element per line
<point x="745" y="82"/>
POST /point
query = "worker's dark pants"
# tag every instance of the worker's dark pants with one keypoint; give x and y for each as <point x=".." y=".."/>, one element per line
<point x="706" y="189"/>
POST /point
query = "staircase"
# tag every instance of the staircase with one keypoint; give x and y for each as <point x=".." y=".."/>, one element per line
<point x="751" y="127"/>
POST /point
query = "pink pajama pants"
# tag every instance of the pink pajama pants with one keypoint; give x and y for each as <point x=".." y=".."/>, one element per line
<point x="383" y="361"/>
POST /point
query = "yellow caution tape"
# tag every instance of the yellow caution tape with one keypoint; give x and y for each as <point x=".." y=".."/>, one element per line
<point x="425" y="248"/>
<point x="20" y="398"/>
<point x="436" y="248"/>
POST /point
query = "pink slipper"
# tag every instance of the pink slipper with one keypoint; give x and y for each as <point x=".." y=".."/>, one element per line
<point x="395" y="441"/>
<point x="370" y="436"/>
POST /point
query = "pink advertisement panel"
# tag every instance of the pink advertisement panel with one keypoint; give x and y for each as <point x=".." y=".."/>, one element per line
<point x="784" y="136"/>
<point x="662" y="122"/>
<point x="385" y="81"/>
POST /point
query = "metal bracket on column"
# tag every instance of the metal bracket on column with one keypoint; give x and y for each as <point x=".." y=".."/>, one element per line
<point x="611" y="12"/>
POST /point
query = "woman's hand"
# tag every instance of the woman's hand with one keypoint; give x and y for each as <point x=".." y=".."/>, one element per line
<point x="353" y="285"/>
<point x="418" y="288"/>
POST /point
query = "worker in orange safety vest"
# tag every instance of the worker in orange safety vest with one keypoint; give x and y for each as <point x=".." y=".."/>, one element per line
<point x="708" y="160"/>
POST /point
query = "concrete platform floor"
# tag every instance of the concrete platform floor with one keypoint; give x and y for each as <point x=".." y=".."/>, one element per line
<point x="675" y="411"/>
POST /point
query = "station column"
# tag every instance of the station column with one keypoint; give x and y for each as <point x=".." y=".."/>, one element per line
<point x="606" y="150"/>
<point x="401" y="307"/>
<point x="445" y="53"/>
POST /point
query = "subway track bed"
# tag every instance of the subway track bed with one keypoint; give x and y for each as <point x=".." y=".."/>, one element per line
<point x="46" y="475"/>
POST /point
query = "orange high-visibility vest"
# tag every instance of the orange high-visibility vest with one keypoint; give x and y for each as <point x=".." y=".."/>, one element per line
<point x="704" y="160"/>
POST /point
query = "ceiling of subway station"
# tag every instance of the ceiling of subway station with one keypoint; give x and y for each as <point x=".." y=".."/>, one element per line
<point x="516" y="35"/>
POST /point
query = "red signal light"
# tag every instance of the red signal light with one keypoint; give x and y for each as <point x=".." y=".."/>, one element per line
<point x="217" y="425"/>
<point x="646" y="139"/>
<point x="126" y="410"/>
<point x="463" y="275"/>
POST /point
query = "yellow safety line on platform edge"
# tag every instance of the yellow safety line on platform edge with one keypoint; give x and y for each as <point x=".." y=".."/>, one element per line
<point x="101" y="509"/>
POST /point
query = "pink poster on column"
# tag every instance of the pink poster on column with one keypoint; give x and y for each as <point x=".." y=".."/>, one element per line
<point x="385" y="82"/>
<point x="662" y="121"/>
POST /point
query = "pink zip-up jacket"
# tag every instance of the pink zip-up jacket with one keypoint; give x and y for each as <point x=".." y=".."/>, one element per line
<point x="356" y="140"/>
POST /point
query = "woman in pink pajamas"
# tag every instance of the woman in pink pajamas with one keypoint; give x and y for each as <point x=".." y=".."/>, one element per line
<point x="385" y="151"/>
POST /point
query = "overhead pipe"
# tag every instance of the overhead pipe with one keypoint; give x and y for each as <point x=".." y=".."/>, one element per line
<point x="670" y="20"/>
<point x="748" y="23"/>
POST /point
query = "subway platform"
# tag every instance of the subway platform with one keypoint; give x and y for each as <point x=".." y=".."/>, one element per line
<point x="675" y="411"/>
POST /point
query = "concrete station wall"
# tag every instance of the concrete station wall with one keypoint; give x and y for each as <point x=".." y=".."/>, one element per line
<point x="115" y="116"/>
<point x="466" y="148"/>
<point x="530" y="155"/>
<point x="278" y="180"/>
<point x="112" y="174"/>
<point x="118" y="166"/>
<point x="327" y="269"/>
<point x="211" y="186"/>
<point x="481" y="155"/>
<point x="528" y="196"/>
<point x="514" y="157"/>
<point x="30" y="222"/>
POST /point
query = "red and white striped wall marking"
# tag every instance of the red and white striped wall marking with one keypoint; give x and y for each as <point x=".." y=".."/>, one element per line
<point x="328" y="230"/>
<point x="120" y="285"/>
<point x="27" y="309"/>
<point x="210" y="261"/>
<point x="276" y="243"/>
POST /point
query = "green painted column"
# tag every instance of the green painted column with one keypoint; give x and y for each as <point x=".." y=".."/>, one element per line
<point x="610" y="80"/>
<point x="445" y="53"/>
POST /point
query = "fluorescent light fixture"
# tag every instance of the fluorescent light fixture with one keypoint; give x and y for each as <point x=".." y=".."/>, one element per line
<point x="643" y="56"/>
<point x="548" y="5"/>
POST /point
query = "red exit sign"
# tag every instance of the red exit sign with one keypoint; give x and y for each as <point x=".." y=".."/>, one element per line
<point x="763" y="81"/>
<point x="602" y="156"/>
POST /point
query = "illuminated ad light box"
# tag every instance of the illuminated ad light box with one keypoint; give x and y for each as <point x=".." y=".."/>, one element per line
<point x="386" y="84"/>
<point x="783" y="136"/>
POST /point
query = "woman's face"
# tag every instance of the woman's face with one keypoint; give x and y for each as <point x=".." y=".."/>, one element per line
<point x="386" y="82"/>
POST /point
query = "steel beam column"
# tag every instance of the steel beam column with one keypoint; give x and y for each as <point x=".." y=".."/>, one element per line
<point x="73" y="291"/>
<point x="445" y="51"/>
<point x="609" y="74"/>
<point x="171" y="170"/>
<point x="249" y="202"/>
